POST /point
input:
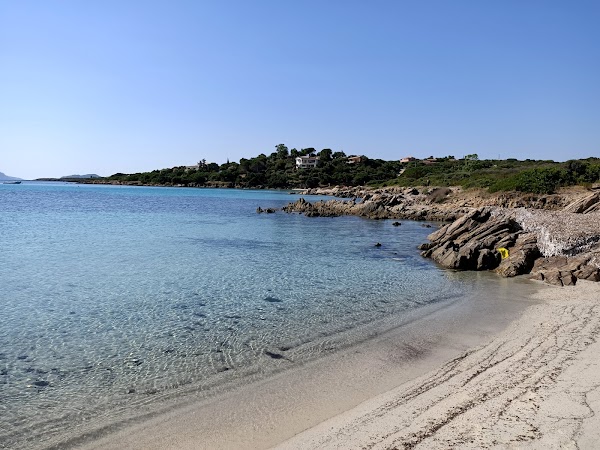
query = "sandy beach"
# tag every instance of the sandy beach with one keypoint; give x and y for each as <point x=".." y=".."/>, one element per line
<point x="524" y="378"/>
<point x="535" y="385"/>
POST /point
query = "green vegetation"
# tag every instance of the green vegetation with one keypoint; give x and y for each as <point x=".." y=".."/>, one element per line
<point x="278" y="170"/>
<point x="540" y="177"/>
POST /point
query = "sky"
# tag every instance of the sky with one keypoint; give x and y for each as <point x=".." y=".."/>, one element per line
<point x="130" y="86"/>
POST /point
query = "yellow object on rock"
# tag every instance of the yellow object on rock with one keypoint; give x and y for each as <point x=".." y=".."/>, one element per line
<point x="503" y="252"/>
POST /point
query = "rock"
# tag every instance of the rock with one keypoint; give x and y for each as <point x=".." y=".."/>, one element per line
<point x="593" y="208"/>
<point x="380" y="204"/>
<point x="469" y="243"/>
<point x="438" y="195"/>
<point x="552" y="277"/>
<point x="565" y="269"/>
<point x="588" y="272"/>
<point x="567" y="278"/>
<point x="396" y="224"/>
<point x="521" y="257"/>
<point x="274" y="355"/>
<point x="584" y="204"/>
<point x="487" y="259"/>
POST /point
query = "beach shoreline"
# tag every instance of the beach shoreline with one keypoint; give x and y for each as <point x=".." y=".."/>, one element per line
<point x="534" y="385"/>
<point x="268" y="412"/>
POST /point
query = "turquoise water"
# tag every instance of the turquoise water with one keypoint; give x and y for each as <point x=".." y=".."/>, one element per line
<point x="112" y="298"/>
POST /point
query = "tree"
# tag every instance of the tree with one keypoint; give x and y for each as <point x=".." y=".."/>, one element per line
<point x="282" y="151"/>
<point x="325" y="155"/>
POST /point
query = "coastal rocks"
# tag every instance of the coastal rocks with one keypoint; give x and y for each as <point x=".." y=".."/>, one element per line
<point x="435" y="203"/>
<point x="565" y="271"/>
<point x="470" y="243"/>
<point x="473" y="243"/>
<point x="556" y="247"/>
<point x="406" y="204"/>
<point x="512" y="233"/>
<point x="260" y="210"/>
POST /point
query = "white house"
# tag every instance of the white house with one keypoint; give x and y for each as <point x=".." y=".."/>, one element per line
<point x="307" y="162"/>
<point x="408" y="159"/>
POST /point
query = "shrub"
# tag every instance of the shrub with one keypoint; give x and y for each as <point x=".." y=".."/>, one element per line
<point x="537" y="181"/>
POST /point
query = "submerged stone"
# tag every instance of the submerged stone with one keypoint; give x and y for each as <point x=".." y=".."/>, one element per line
<point x="274" y="355"/>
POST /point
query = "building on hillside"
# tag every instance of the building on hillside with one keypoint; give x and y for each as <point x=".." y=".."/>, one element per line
<point x="307" y="162"/>
<point x="355" y="159"/>
<point x="408" y="159"/>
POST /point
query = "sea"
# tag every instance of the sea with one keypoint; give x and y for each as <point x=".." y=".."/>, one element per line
<point x="115" y="300"/>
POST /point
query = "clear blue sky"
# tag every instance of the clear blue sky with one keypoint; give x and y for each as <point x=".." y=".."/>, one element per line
<point x="123" y="86"/>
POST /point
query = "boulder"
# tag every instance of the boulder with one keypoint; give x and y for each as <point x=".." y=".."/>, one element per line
<point x="470" y="243"/>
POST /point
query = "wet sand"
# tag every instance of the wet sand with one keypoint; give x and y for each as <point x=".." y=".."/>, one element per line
<point x="303" y="407"/>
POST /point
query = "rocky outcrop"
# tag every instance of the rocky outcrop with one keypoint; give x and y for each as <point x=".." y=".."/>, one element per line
<point x="407" y="203"/>
<point x="558" y="248"/>
<point x="432" y="203"/>
<point x="473" y="242"/>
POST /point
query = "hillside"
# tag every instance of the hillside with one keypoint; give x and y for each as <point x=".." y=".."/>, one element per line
<point x="4" y="177"/>
<point x="86" y="176"/>
<point x="278" y="170"/>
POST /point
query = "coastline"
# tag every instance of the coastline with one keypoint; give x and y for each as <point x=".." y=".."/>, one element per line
<point x="417" y="367"/>
<point x="268" y="412"/>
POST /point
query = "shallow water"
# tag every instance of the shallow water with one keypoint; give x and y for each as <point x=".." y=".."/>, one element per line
<point x="112" y="298"/>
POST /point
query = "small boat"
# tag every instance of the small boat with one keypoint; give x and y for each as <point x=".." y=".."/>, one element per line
<point x="11" y="182"/>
